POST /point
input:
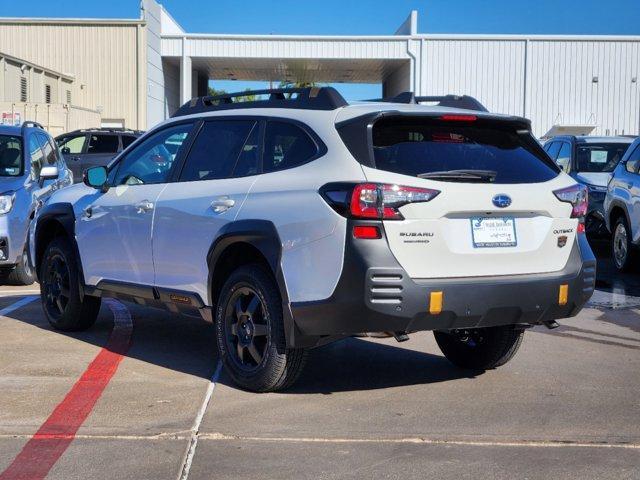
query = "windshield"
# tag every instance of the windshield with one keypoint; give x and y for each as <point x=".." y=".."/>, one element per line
<point x="10" y="156"/>
<point x="599" y="157"/>
<point x="457" y="151"/>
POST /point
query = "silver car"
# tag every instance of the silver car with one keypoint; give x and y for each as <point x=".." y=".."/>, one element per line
<point x="31" y="168"/>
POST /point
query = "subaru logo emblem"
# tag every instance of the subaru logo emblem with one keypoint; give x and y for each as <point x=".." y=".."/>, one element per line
<point x="502" y="200"/>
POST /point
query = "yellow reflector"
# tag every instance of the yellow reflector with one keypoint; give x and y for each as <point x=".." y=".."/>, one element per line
<point x="563" y="294"/>
<point x="435" y="303"/>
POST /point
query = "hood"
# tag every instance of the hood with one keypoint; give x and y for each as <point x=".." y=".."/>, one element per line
<point x="11" y="183"/>
<point x="599" y="179"/>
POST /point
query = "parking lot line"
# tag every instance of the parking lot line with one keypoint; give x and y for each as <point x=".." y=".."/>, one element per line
<point x="16" y="305"/>
<point x="195" y="430"/>
<point x="55" y="435"/>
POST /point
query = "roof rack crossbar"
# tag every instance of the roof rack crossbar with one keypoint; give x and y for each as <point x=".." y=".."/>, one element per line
<point x="464" y="102"/>
<point x="308" y="98"/>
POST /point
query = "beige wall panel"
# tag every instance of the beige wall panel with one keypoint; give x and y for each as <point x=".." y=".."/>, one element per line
<point x="101" y="57"/>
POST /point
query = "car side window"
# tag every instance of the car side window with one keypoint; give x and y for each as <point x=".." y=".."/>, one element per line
<point x="151" y="161"/>
<point x="72" y="145"/>
<point x="36" y="156"/>
<point x="103" y="144"/>
<point x="564" y="157"/>
<point x="217" y="149"/>
<point x="127" y="140"/>
<point x="286" y="146"/>
<point x="47" y="149"/>
<point x="553" y="150"/>
<point x="633" y="161"/>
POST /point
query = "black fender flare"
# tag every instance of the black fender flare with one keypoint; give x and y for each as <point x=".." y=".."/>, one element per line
<point x="623" y="206"/>
<point x="263" y="236"/>
<point x="63" y="215"/>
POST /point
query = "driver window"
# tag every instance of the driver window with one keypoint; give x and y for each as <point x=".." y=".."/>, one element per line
<point x="151" y="161"/>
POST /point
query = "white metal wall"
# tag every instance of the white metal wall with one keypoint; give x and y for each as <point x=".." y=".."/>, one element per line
<point x="549" y="80"/>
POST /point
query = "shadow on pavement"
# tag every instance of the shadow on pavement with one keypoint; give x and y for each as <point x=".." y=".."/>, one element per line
<point x="187" y="345"/>
<point x="355" y="364"/>
<point x="608" y="278"/>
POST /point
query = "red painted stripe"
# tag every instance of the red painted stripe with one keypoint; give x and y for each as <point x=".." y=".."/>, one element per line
<point x="51" y="440"/>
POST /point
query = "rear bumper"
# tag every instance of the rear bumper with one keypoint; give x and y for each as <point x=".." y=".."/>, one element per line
<point x="375" y="294"/>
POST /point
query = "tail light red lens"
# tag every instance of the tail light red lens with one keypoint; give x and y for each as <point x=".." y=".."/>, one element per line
<point x="382" y="201"/>
<point x="578" y="197"/>
<point x="458" y="118"/>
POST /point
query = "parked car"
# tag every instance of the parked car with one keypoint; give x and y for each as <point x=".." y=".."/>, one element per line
<point x="622" y="208"/>
<point x="88" y="148"/>
<point x="590" y="161"/>
<point x="31" y="168"/>
<point x="298" y="220"/>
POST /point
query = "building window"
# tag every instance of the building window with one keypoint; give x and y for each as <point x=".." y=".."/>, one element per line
<point x="68" y="97"/>
<point x="23" y="89"/>
<point x="47" y="94"/>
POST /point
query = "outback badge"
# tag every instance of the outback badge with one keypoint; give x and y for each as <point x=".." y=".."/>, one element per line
<point x="562" y="241"/>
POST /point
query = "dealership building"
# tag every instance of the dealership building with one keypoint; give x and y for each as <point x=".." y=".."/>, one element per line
<point x="133" y="73"/>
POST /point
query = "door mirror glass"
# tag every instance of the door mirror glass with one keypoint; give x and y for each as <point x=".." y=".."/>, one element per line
<point x="49" y="172"/>
<point x="95" y="177"/>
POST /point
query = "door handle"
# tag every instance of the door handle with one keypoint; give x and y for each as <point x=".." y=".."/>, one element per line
<point x="88" y="211"/>
<point x="222" y="204"/>
<point x="144" y="206"/>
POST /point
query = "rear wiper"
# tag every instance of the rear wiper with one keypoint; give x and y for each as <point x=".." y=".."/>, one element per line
<point x="467" y="175"/>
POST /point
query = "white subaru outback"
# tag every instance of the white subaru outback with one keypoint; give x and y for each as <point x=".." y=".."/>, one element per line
<point x="299" y="219"/>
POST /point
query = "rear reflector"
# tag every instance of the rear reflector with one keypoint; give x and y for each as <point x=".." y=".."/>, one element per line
<point x="435" y="303"/>
<point x="366" y="232"/>
<point x="563" y="294"/>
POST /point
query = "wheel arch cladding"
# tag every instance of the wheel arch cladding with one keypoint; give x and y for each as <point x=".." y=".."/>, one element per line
<point x="617" y="209"/>
<point x="54" y="219"/>
<point x="243" y="242"/>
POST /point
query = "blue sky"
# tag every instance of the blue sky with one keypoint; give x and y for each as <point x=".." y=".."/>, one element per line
<point x="345" y="17"/>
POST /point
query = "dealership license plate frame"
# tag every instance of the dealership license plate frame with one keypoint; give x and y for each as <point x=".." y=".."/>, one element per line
<point x="476" y="226"/>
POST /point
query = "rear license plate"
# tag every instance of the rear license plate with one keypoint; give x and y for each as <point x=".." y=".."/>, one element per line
<point x="490" y="232"/>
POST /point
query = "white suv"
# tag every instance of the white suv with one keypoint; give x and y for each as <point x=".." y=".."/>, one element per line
<point x="297" y="220"/>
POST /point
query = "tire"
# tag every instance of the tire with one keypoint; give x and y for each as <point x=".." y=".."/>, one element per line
<point x="22" y="273"/>
<point x="622" y="250"/>
<point x="60" y="289"/>
<point x="250" y="332"/>
<point x="480" y="348"/>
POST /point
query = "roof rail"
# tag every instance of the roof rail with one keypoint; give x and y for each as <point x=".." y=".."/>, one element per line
<point x="308" y="98"/>
<point x="464" y="102"/>
<point x="107" y="129"/>
<point x="31" y="124"/>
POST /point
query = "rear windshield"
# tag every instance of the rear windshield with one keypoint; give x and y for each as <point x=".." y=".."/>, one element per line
<point x="426" y="148"/>
<point x="10" y="156"/>
<point x="599" y="157"/>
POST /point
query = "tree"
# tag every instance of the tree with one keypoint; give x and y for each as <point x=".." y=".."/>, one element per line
<point x="213" y="92"/>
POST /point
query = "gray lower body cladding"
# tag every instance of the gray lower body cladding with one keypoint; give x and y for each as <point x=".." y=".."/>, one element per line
<point x="375" y="294"/>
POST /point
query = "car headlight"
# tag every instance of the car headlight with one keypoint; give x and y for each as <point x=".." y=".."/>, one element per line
<point x="6" y="203"/>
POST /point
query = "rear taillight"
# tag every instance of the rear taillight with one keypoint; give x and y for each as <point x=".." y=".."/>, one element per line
<point x="578" y="197"/>
<point x="382" y="201"/>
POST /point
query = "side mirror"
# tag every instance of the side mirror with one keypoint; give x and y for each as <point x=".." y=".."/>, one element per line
<point x="96" y="177"/>
<point x="49" y="172"/>
<point x="66" y="150"/>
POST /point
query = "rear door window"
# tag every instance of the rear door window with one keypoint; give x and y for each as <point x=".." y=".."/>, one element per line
<point x="217" y="149"/>
<point x="484" y="151"/>
<point x="286" y="146"/>
<point x="103" y="144"/>
<point x="127" y="140"/>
